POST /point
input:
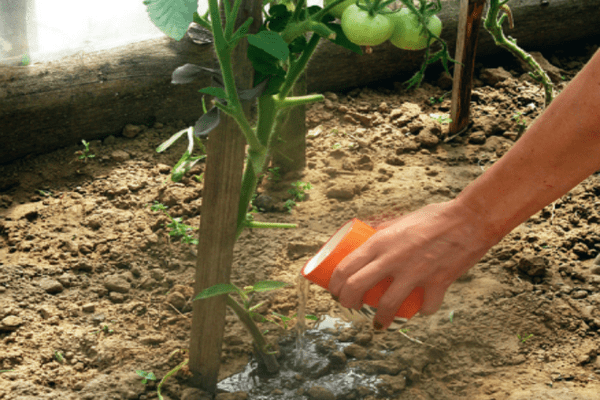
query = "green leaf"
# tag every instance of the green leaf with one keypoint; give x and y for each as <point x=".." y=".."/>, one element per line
<point x="215" y="92"/>
<point x="216" y="290"/>
<point x="265" y="286"/>
<point x="271" y="43"/>
<point x="167" y="143"/>
<point x="173" y="17"/>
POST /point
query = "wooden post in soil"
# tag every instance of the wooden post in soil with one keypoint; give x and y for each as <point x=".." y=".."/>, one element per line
<point x="469" y="22"/>
<point x="289" y="152"/>
<point x="220" y="202"/>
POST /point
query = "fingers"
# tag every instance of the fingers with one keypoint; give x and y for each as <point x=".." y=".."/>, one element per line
<point x="348" y="267"/>
<point x="433" y="298"/>
<point x="389" y="304"/>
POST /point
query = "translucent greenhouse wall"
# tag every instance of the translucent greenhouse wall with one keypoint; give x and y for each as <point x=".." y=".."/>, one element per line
<point x="45" y="30"/>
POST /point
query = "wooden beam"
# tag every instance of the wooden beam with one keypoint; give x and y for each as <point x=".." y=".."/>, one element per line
<point x="469" y="23"/>
<point x="217" y="233"/>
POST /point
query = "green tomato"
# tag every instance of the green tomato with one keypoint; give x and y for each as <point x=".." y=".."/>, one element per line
<point x="365" y="30"/>
<point x="338" y="10"/>
<point x="408" y="31"/>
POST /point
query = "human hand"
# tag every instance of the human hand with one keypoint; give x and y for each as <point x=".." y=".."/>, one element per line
<point x="429" y="248"/>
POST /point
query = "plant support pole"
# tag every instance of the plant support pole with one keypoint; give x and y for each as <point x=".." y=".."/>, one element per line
<point x="469" y="22"/>
<point x="217" y="233"/>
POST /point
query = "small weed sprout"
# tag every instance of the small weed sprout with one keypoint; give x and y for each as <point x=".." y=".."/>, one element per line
<point x="274" y="174"/>
<point x="443" y="119"/>
<point x="521" y="124"/>
<point x="58" y="356"/>
<point x="176" y="227"/>
<point x="336" y="146"/>
<point x="84" y="155"/>
<point x="523" y="339"/>
<point x="146" y="376"/>
<point x="298" y="193"/>
<point x="6" y="370"/>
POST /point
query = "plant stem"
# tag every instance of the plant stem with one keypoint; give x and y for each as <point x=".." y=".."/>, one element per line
<point x="493" y="24"/>
<point x="267" y="358"/>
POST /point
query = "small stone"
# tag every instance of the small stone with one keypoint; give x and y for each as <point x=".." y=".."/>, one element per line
<point x="579" y="294"/>
<point x="176" y="299"/>
<point x="477" y="137"/>
<point x="84" y="265"/>
<point x="264" y="202"/>
<point x="533" y="265"/>
<point x="131" y="131"/>
<point x="116" y="283"/>
<point x="157" y="274"/>
<point x="356" y="351"/>
<point x="45" y="312"/>
<point x="152" y="340"/>
<point x="163" y="168"/>
<point x="98" y="318"/>
<point x="340" y="193"/>
<point x="51" y="286"/>
<point x="364" y="338"/>
<point x="120" y="155"/>
<point x="337" y="358"/>
<point x="109" y="140"/>
<point x="89" y="308"/>
<point x="10" y="323"/>
<point x="116" y="297"/>
<point x="491" y="76"/>
<point x="320" y="393"/>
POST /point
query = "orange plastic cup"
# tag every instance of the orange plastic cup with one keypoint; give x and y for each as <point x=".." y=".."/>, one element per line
<point x="348" y="238"/>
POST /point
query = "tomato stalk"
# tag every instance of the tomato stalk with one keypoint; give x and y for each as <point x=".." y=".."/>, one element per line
<point x="493" y="24"/>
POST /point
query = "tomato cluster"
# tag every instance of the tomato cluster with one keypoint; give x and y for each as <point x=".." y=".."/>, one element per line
<point x="402" y="28"/>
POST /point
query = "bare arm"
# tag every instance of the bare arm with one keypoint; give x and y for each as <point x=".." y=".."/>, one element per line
<point x="433" y="246"/>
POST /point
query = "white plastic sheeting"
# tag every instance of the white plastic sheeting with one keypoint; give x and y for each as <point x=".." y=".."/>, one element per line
<point x="59" y="28"/>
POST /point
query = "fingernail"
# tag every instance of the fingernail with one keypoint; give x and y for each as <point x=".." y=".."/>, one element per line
<point x="377" y="325"/>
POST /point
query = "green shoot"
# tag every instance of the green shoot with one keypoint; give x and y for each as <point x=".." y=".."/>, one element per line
<point x="298" y="193"/>
<point x="6" y="370"/>
<point x="274" y="174"/>
<point x="443" y="119"/>
<point x="336" y="146"/>
<point x="58" y="356"/>
<point x="146" y="376"/>
<point x="84" y="155"/>
<point x="451" y="316"/>
<point x="176" y="227"/>
<point x="523" y="339"/>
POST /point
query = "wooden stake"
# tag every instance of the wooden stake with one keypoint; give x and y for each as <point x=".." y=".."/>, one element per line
<point x="469" y="22"/>
<point x="220" y="201"/>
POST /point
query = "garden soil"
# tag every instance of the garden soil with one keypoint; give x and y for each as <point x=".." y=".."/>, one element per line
<point x="93" y="289"/>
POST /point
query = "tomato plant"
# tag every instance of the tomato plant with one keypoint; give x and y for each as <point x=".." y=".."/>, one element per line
<point x="365" y="29"/>
<point x="409" y="33"/>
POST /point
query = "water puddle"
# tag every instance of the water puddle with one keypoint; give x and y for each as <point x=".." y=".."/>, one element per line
<point x="314" y="360"/>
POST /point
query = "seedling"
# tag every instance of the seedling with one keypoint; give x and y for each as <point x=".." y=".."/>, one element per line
<point x="176" y="227"/>
<point x="441" y="118"/>
<point x="84" y="155"/>
<point x="298" y="193"/>
<point x="336" y="146"/>
<point x="58" y="356"/>
<point x="451" y="316"/>
<point x="521" y="124"/>
<point x="246" y="312"/>
<point x="274" y="174"/>
<point x="107" y="330"/>
<point x="146" y="376"/>
<point x="6" y="370"/>
<point x="437" y="100"/>
<point x="284" y="319"/>
<point x="523" y="339"/>
<point x="199" y="178"/>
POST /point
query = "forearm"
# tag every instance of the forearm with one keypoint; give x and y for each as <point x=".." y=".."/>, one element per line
<point x="558" y="151"/>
